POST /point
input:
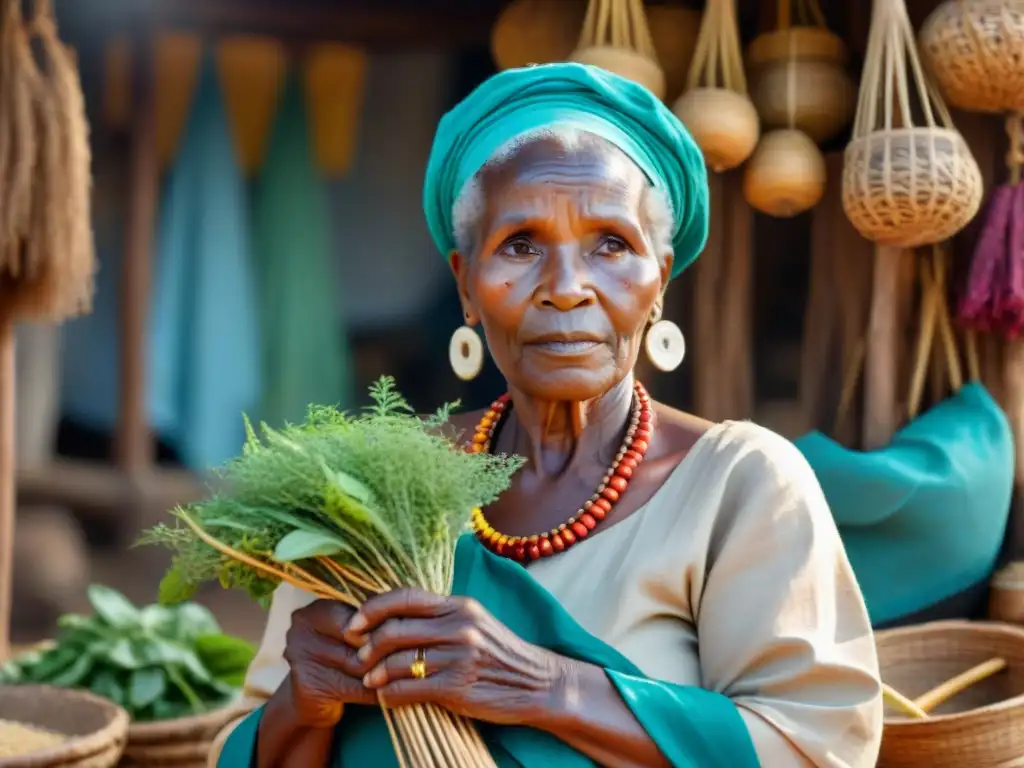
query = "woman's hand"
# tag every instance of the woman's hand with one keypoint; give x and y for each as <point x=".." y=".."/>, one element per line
<point x="475" y="666"/>
<point x="325" y="672"/>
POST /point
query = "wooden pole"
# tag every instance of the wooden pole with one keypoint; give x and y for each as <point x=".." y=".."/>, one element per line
<point x="135" y="447"/>
<point x="7" y="489"/>
<point x="881" y="362"/>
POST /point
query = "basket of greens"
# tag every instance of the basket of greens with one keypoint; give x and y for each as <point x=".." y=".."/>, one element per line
<point x="170" y="668"/>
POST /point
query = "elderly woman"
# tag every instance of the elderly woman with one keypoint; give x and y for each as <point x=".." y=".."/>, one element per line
<point x="717" y="621"/>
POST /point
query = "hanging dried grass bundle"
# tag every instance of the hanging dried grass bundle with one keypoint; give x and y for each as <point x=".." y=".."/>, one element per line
<point x="51" y="277"/>
<point x="19" y="84"/>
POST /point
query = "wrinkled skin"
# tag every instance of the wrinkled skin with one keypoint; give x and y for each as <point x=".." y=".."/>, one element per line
<point x="564" y="279"/>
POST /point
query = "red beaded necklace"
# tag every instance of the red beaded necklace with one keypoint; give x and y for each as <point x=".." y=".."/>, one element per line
<point x="594" y="510"/>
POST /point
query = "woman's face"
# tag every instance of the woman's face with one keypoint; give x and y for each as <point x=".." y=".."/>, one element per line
<point x="564" y="276"/>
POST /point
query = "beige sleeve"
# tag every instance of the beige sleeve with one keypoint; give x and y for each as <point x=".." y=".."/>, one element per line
<point x="782" y="626"/>
<point x="268" y="668"/>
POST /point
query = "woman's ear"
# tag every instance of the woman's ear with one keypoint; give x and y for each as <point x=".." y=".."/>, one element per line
<point x="460" y="269"/>
<point x="657" y="309"/>
<point x="666" y="270"/>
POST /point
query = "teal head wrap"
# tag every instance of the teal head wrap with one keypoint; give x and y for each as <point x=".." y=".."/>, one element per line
<point x="518" y="101"/>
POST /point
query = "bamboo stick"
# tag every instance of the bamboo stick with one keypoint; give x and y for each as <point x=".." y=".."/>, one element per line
<point x="902" y="703"/>
<point x="7" y="493"/>
<point x="947" y="690"/>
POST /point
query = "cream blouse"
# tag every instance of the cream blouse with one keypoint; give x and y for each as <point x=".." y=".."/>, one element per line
<point x="733" y="578"/>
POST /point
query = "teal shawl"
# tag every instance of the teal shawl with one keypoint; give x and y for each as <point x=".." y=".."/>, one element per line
<point x="518" y="101"/>
<point x="694" y="728"/>
<point x="924" y="517"/>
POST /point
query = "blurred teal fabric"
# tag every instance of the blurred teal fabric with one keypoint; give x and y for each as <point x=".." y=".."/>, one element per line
<point x="305" y="353"/>
<point x="923" y="518"/>
<point x="203" y="345"/>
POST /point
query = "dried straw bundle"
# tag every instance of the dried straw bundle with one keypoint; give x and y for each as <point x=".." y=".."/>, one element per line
<point x="47" y="260"/>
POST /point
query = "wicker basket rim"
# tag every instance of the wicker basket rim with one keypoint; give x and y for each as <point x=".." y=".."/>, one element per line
<point x="976" y="627"/>
<point x="160" y="729"/>
<point x="76" y="746"/>
<point x="898" y="132"/>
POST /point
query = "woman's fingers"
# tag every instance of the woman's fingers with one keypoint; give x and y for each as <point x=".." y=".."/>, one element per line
<point x="402" y="665"/>
<point x="408" y="603"/>
<point x="403" y="634"/>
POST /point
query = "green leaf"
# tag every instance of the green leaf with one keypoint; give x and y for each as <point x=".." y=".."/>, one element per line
<point x="193" y="620"/>
<point x="225" y="657"/>
<point x="107" y="685"/>
<point x="113" y="607"/>
<point x="52" y="663"/>
<point x="350" y="486"/>
<point x="175" y="587"/>
<point x="127" y="654"/>
<point x="147" y="685"/>
<point x="300" y="544"/>
<point x="74" y="674"/>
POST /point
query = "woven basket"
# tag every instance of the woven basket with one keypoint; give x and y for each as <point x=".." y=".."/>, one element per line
<point x="973" y="49"/>
<point x="904" y="184"/>
<point x="1006" y="596"/>
<point x="96" y="727"/>
<point x="982" y="726"/>
<point x="910" y="186"/>
<point x="181" y="743"/>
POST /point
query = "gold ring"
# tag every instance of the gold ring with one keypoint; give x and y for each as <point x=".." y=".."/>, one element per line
<point x="418" y="668"/>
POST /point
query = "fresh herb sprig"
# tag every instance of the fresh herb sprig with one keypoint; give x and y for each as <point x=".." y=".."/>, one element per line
<point x="156" y="662"/>
<point x="343" y="506"/>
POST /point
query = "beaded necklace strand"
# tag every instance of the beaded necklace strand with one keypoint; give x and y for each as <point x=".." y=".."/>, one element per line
<point x="613" y="485"/>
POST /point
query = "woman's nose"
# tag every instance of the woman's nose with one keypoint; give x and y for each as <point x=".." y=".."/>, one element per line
<point x="566" y="285"/>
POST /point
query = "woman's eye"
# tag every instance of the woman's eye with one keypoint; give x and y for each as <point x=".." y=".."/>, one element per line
<point x="519" y="248"/>
<point x="613" y="245"/>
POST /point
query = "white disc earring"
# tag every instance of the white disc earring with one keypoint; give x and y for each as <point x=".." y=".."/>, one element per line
<point x="665" y="345"/>
<point x="466" y="353"/>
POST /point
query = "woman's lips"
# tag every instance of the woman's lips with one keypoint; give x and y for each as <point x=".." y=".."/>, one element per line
<point x="577" y="347"/>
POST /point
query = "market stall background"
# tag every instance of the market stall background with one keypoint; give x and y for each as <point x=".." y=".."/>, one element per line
<point x="774" y="312"/>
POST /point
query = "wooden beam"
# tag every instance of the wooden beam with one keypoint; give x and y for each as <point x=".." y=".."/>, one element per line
<point x="102" y="491"/>
<point x="881" y="363"/>
<point x="8" y="385"/>
<point x="134" y="445"/>
<point x="376" y="24"/>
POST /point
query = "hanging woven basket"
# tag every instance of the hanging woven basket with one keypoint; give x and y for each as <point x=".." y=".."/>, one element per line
<point x="904" y="184"/>
<point x="975" y="51"/>
<point x="536" y="32"/>
<point x="798" y="71"/>
<point x="616" y="37"/>
<point x="715" y="107"/>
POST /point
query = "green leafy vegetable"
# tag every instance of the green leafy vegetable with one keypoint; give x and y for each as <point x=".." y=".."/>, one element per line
<point x="158" y="662"/>
<point x="343" y="506"/>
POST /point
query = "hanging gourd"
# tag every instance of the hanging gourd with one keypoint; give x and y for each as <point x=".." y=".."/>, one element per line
<point x="786" y="174"/>
<point x="975" y="51"/>
<point x="715" y="107"/>
<point x="536" y="32"/>
<point x="616" y="37"/>
<point x="674" y="30"/>
<point x="993" y="300"/>
<point x="797" y="74"/>
<point x="905" y="185"/>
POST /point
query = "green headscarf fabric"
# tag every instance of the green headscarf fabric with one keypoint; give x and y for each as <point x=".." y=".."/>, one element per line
<point x="518" y="101"/>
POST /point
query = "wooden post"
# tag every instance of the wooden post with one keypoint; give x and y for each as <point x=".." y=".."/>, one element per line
<point x="723" y="296"/>
<point x="881" y="362"/>
<point x="7" y="489"/>
<point x="135" y="447"/>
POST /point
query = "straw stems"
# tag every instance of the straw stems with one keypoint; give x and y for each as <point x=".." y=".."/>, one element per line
<point x="920" y="707"/>
<point x="423" y="735"/>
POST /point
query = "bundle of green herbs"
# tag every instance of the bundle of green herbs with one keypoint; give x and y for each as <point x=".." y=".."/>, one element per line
<point x="343" y="506"/>
<point x="156" y="662"/>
